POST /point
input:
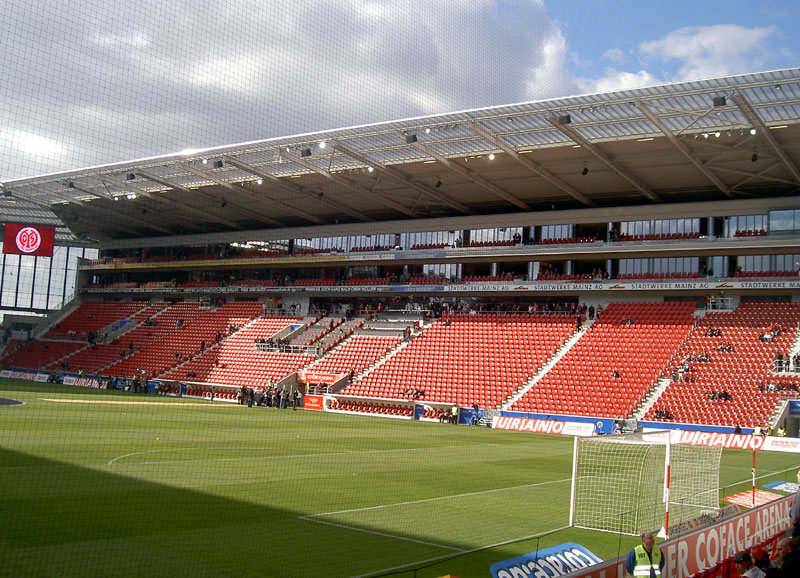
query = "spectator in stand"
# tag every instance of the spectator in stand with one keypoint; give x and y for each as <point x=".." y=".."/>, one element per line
<point x="761" y="561"/>
<point x="786" y="557"/>
<point x="794" y="513"/>
<point x="745" y="567"/>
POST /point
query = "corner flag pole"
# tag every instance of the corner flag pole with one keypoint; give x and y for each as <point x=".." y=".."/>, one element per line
<point x="754" y="476"/>
<point x="666" y="488"/>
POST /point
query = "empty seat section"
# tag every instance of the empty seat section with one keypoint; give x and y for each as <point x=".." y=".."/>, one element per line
<point x="611" y="368"/>
<point x="468" y="359"/>
<point x="727" y="352"/>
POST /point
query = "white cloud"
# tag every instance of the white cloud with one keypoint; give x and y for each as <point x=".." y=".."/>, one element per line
<point x="614" y="55"/>
<point x="613" y="80"/>
<point x="179" y="75"/>
<point x="710" y="51"/>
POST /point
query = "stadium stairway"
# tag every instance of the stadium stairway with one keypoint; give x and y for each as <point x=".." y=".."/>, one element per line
<point x="794" y="349"/>
<point x="651" y="398"/>
<point x="400" y="346"/>
<point x="560" y="352"/>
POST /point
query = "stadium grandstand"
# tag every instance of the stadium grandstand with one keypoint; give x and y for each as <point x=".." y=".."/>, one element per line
<point x="630" y="255"/>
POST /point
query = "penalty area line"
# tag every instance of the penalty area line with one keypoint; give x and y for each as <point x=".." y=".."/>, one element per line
<point x="444" y="557"/>
<point x="383" y="534"/>
<point x="438" y="498"/>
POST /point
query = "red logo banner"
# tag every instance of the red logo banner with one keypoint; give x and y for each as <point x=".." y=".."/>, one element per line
<point x="29" y="240"/>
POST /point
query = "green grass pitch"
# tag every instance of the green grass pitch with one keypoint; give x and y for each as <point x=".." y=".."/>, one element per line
<point x="96" y="483"/>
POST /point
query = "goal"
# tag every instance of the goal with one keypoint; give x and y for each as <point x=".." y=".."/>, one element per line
<point x="634" y="483"/>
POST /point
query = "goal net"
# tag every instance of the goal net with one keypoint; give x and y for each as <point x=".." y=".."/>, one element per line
<point x="640" y="482"/>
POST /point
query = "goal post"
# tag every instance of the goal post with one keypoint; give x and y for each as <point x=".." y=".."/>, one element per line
<point x="634" y="483"/>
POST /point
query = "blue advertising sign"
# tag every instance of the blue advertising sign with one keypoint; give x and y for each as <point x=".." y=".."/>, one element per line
<point x="549" y="563"/>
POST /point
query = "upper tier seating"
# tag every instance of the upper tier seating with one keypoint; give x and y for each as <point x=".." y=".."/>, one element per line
<point x="481" y="244"/>
<point x="659" y="237"/>
<point x="507" y="278"/>
<point x="748" y="274"/>
<point x="367" y="281"/>
<point x="313" y="282"/>
<point x="468" y="359"/>
<point x="566" y="241"/>
<point x="420" y="280"/>
<point x="727" y="354"/>
<point x="611" y="368"/>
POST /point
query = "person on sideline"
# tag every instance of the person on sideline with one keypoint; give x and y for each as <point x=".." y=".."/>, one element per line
<point x="645" y="560"/>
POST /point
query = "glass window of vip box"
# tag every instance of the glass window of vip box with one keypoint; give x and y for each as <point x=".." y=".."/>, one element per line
<point x="787" y="221"/>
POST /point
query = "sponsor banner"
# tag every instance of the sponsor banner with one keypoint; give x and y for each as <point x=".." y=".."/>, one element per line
<point x="570" y="428"/>
<point x="703" y="549"/>
<point x="81" y="381"/>
<point x="26" y="375"/>
<point x="776" y="444"/>
<point x="32" y="240"/>
<point x="750" y="498"/>
<point x="726" y="440"/>
<point x="42" y="377"/>
<point x="311" y="377"/>
<point x="703" y="520"/>
<point x="785" y="487"/>
<point x="535" y="287"/>
<point x="736" y="441"/>
<point x="5" y="373"/>
<point x="549" y="563"/>
<point x="794" y="407"/>
<point x="377" y="256"/>
<point x="313" y="402"/>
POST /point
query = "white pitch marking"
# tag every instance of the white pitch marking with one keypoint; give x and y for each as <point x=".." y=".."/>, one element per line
<point x="433" y="499"/>
<point x="111" y="463"/>
<point x="374" y="533"/>
<point x="458" y="554"/>
<point x="318" y="455"/>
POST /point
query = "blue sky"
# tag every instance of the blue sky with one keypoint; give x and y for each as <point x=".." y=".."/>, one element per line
<point x="677" y="40"/>
<point x="95" y="82"/>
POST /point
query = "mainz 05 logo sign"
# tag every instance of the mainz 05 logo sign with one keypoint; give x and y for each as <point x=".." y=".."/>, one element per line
<point x="29" y="240"/>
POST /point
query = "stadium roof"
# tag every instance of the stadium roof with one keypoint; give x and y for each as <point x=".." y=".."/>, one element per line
<point x="722" y="138"/>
